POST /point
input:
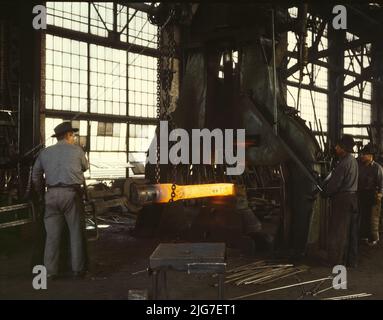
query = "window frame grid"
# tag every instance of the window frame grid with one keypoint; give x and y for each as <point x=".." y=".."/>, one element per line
<point x="85" y="112"/>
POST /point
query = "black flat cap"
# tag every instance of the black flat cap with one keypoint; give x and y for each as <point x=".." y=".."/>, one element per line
<point x="63" y="128"/>
<point x="368" y="149"/>
<point x="347" y="143"/>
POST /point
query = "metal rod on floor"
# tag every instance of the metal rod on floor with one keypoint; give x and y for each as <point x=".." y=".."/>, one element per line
<point x="326" y="289"/>
<point x="245" y="266"/>
<point x="351" y="296"/>
<point x="280" y="288"/>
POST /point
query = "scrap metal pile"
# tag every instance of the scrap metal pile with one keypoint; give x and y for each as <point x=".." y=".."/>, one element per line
<point x="264" y="272"/>
<point x="261" y="272"/>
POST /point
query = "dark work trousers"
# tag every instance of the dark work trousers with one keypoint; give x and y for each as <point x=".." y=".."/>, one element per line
<point x="343" y="229"/>
<point x="39" y="236"/>
<point x="369" y="208"/>
<point x="64" y="205"/>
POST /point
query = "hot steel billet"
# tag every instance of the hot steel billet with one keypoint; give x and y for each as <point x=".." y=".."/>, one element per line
<point x="143" y="194"/>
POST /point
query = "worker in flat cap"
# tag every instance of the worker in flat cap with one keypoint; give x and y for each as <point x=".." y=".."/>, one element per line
<point x="64" y="165"/>
<point x="342" y="186"/>
<point x="370" y="192"/>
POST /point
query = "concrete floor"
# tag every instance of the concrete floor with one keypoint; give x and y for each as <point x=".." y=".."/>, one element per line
<point x="116" y="255"/>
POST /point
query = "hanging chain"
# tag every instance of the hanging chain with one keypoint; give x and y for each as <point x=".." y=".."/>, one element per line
<point x="168" y="79"/>
<point x="158" y="108"/>
<point x="165" y="64"/>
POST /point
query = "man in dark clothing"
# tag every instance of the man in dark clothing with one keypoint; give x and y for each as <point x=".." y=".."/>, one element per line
<point x="370" y="191"/>
<point x="63" y="165"/>
<point x="344" y="218"/>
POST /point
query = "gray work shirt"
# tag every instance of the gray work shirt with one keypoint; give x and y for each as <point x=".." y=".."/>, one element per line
<point x="370" y="177"/>
<point x="344" y="177"/>
<point x="62" y="163"/>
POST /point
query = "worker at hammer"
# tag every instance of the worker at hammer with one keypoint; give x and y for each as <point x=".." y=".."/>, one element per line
<point x="63" y="165"/>
<point x="370" y="192"/>
<point x="343" y="233"/>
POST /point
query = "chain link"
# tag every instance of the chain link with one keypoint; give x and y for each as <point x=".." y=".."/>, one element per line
<point x="158" y="108"/>
<point x="165" y="67"/>
<point x="170" y="63"/>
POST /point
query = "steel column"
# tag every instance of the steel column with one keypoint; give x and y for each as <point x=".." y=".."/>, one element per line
<point x="377" y="90"/>
<point x="336" y="39"/>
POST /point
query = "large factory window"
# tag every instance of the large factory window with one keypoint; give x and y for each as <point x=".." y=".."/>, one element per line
<point x="307" y="90"/>
<point x="141" y="31"/>
<point x="356" y="113"/>
<point x="107" y="80"/>
<point x="106" y="85"/>
<point x="108" y="136"/>
<point x="101" y="18"/>
<point x="108" y="147"/>
<point x="68" y="15"/>
<point x="357" y="95"/>
<point x="139" y="141"/>
<point x="66" y="74"/>
<point x="142" y="73"/>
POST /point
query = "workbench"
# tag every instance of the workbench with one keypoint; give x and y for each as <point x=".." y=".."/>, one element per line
<point x="188" y="257"/>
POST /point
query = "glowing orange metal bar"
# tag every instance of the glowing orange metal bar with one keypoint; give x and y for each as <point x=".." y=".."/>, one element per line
<point x="193" y="191"/>
<point x="161" y="193"/>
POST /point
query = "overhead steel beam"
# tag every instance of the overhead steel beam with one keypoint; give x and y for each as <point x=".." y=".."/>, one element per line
<point x="365" y="74"/>
<point x="99" y="15"/>
<point x="336" y="44"/>
<point x="365" y="16"/>
<point x="102" y="41"/>
<point x="314" y="54"/>
<point x="138" y="6"/>
<point x="325" y="91"/>
<point x="328" y="65"/>
<point x="377" y="91"/>
<point x="359" y="19"/>
<point x="361" y="125"/>
<point x="319" y="34"/>
<point x="68" y="115"/>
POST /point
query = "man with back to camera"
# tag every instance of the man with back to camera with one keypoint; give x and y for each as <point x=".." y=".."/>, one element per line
<point x="64" y="165"/>
<point x="343" y="234"/>
<point x="370" y="191"/>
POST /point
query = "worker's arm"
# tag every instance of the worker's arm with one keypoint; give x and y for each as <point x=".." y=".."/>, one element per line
<point x="37" y="176"/>
<point x="336" y="179"/>
<point x="379" y="182"/>
<point x="84" y="162"/>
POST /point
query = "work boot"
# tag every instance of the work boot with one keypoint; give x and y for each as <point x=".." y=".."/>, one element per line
<point x="373" y="243"/>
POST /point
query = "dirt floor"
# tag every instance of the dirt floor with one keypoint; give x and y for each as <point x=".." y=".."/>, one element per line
<point x="116" y="255"/>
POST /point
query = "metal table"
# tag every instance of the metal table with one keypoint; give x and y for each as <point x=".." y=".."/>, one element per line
<point x="188" y="257"/>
